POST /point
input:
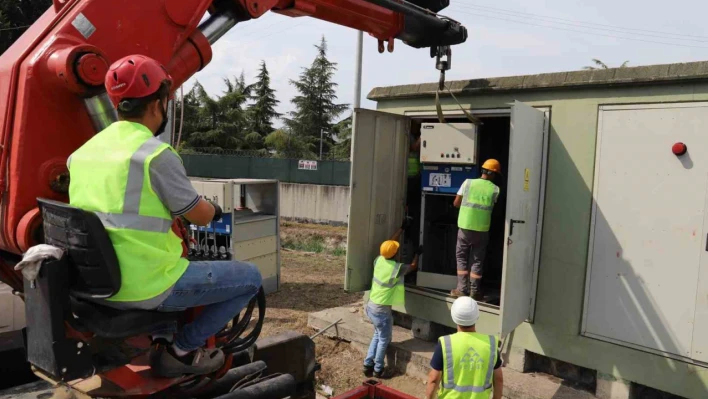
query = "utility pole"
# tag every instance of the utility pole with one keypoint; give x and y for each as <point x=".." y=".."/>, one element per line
<point x="321" y="139"/>
<point x="357" y="74"/>
<point x="357" y="86"/>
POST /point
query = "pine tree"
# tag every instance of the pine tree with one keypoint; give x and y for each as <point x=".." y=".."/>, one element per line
<point x="262" y="112"/>
<point x="219" y="123"/>
<point x="315" y="107"/>
<point x="343" y="132"/>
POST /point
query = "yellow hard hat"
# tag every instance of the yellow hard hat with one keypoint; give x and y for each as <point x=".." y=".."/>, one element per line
<point x="389" y="249"/>
<point x="492" y="165"/>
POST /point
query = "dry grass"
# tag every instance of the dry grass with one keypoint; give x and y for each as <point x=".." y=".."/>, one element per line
<point x="310" y="283"/>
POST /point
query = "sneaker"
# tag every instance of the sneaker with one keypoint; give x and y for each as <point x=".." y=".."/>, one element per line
<point x="165" y="362"/>
<point x="384" y="374"/>
<point x="456" y="293"/>
<point x="368" y="371"/>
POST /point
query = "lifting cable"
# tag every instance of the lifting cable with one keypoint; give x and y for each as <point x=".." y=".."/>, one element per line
<point x="438" y="108"/>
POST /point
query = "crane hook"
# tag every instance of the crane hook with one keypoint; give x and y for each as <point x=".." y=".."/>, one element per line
<point x="441" y="64"/>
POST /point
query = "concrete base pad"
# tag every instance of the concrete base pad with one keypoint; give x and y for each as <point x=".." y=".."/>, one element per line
<point x="412" y="356"/>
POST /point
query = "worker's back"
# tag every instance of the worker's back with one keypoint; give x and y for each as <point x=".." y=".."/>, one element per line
<point x="109" y="176"/>
<point x="468" y="364"/>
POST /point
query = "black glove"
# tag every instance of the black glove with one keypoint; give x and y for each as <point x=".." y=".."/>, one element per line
<point x="217" y="211"/>
<point x="419" y="251"/>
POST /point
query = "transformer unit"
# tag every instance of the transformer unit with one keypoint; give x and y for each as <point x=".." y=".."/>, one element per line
<point x="248" y="230"/>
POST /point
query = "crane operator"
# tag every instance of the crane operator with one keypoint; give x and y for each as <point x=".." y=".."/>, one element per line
<point x="137" y="185"/>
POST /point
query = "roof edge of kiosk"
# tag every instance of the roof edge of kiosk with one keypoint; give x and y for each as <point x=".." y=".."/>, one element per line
<point x="650" y="74"/>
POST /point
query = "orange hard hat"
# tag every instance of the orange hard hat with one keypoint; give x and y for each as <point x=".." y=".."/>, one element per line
<point x="389" y="248"/>
<point x="492" y="165"/>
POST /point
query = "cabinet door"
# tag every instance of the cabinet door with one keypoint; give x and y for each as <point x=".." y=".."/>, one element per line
<point x="378" y="189"/>
<point x="522" y="214"/>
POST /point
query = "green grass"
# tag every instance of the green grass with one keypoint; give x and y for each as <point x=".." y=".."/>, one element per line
<point x="339" y="252"/>
<point x="314" y="243"/>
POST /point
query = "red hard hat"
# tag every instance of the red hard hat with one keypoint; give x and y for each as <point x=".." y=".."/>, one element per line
<point x="134" y="76"/>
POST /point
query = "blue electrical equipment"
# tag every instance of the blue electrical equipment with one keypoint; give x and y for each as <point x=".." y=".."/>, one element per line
<point x="221" y="226"/>
<point x="446" y="179"/>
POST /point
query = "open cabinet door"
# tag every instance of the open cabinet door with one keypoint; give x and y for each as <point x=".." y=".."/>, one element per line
<point x="522" y="211"/>
<point x="377" y="190"/>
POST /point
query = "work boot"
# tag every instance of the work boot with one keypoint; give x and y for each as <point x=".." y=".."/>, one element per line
<point x="166" y="363"/>
<point x="457" y="293"/>
<point x="368" y="371"/>
<point x="384" y="374"/>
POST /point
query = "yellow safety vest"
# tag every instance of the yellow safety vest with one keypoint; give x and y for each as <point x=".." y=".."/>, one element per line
<point x="110" y="175"/>
<point x="413" y="164"/>
<point x="468" y="365"/>
<point x="477" y="204"/>
<point x="386" y="287"/>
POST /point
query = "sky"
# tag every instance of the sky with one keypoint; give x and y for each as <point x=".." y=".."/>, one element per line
<point x="506" y="37"/>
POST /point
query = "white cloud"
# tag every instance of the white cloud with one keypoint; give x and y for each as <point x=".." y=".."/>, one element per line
<point x="494" y="47"/>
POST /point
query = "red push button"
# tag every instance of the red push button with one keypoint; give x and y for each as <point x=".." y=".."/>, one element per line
<point x="679" y="149"/>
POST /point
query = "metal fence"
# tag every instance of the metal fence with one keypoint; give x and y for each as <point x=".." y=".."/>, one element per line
<point x="228" y="165"/>
<point x="256" y="154"/>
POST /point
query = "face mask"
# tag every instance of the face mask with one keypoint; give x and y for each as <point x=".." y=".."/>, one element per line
<point x="165" y="120"/>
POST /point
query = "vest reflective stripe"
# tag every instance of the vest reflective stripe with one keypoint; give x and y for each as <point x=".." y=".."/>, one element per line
<point x="134" y="222"/>
<point x="109" y="175"/>
<point x="136" y="175"/>
<point x="386" y="287"/>
<point x="478" y="199"/>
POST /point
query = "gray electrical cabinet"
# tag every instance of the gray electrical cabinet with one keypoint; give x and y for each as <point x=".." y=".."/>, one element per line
<point x="248" y="230"/>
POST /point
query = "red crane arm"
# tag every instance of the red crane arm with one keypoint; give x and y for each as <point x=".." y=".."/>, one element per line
<point x="51" y="93"/>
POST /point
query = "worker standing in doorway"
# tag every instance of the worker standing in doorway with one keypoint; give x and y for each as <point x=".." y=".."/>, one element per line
<point x="476" y="199"/>
<point x="468" y="363"/>
<point x="386" y="290"/>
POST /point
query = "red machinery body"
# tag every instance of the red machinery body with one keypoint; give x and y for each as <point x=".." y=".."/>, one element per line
<point x="51" y="93"/>
<point x="52" y="100"/>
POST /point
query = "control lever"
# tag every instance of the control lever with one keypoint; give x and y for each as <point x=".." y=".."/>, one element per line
<point x="511" y="226"/>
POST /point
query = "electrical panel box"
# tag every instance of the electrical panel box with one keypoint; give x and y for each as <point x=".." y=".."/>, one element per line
<point x="448" y="143"/>
<point x="221" y="192"/>
<point x="446" y="179"/>
<point x="248" y="230"/>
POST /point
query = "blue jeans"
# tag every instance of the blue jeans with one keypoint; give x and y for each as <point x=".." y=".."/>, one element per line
<point x="224" y="288"/>
<point x="383" y="332"/>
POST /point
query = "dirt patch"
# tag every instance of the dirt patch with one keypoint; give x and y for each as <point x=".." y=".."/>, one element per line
<point x="310" y="283"/>
<point x="314" y="238"/>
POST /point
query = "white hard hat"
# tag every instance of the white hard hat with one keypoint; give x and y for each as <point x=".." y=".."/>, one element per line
<point x="465" y="311"/>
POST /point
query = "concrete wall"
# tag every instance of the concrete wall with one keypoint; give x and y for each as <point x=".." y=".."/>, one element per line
<point x="555" y="331"/>
<point x="314" y="203"/>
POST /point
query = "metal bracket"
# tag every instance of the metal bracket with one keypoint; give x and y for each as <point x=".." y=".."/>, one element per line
<point x="443" y="62"/>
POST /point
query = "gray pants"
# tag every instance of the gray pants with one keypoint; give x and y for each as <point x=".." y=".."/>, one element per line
<point x="471" y="249"/>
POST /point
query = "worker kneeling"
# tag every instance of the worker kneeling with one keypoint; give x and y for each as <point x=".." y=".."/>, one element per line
<point x="387" y="289"/>
<point x="136" y="184"/>
<point x="468" y="363"/>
